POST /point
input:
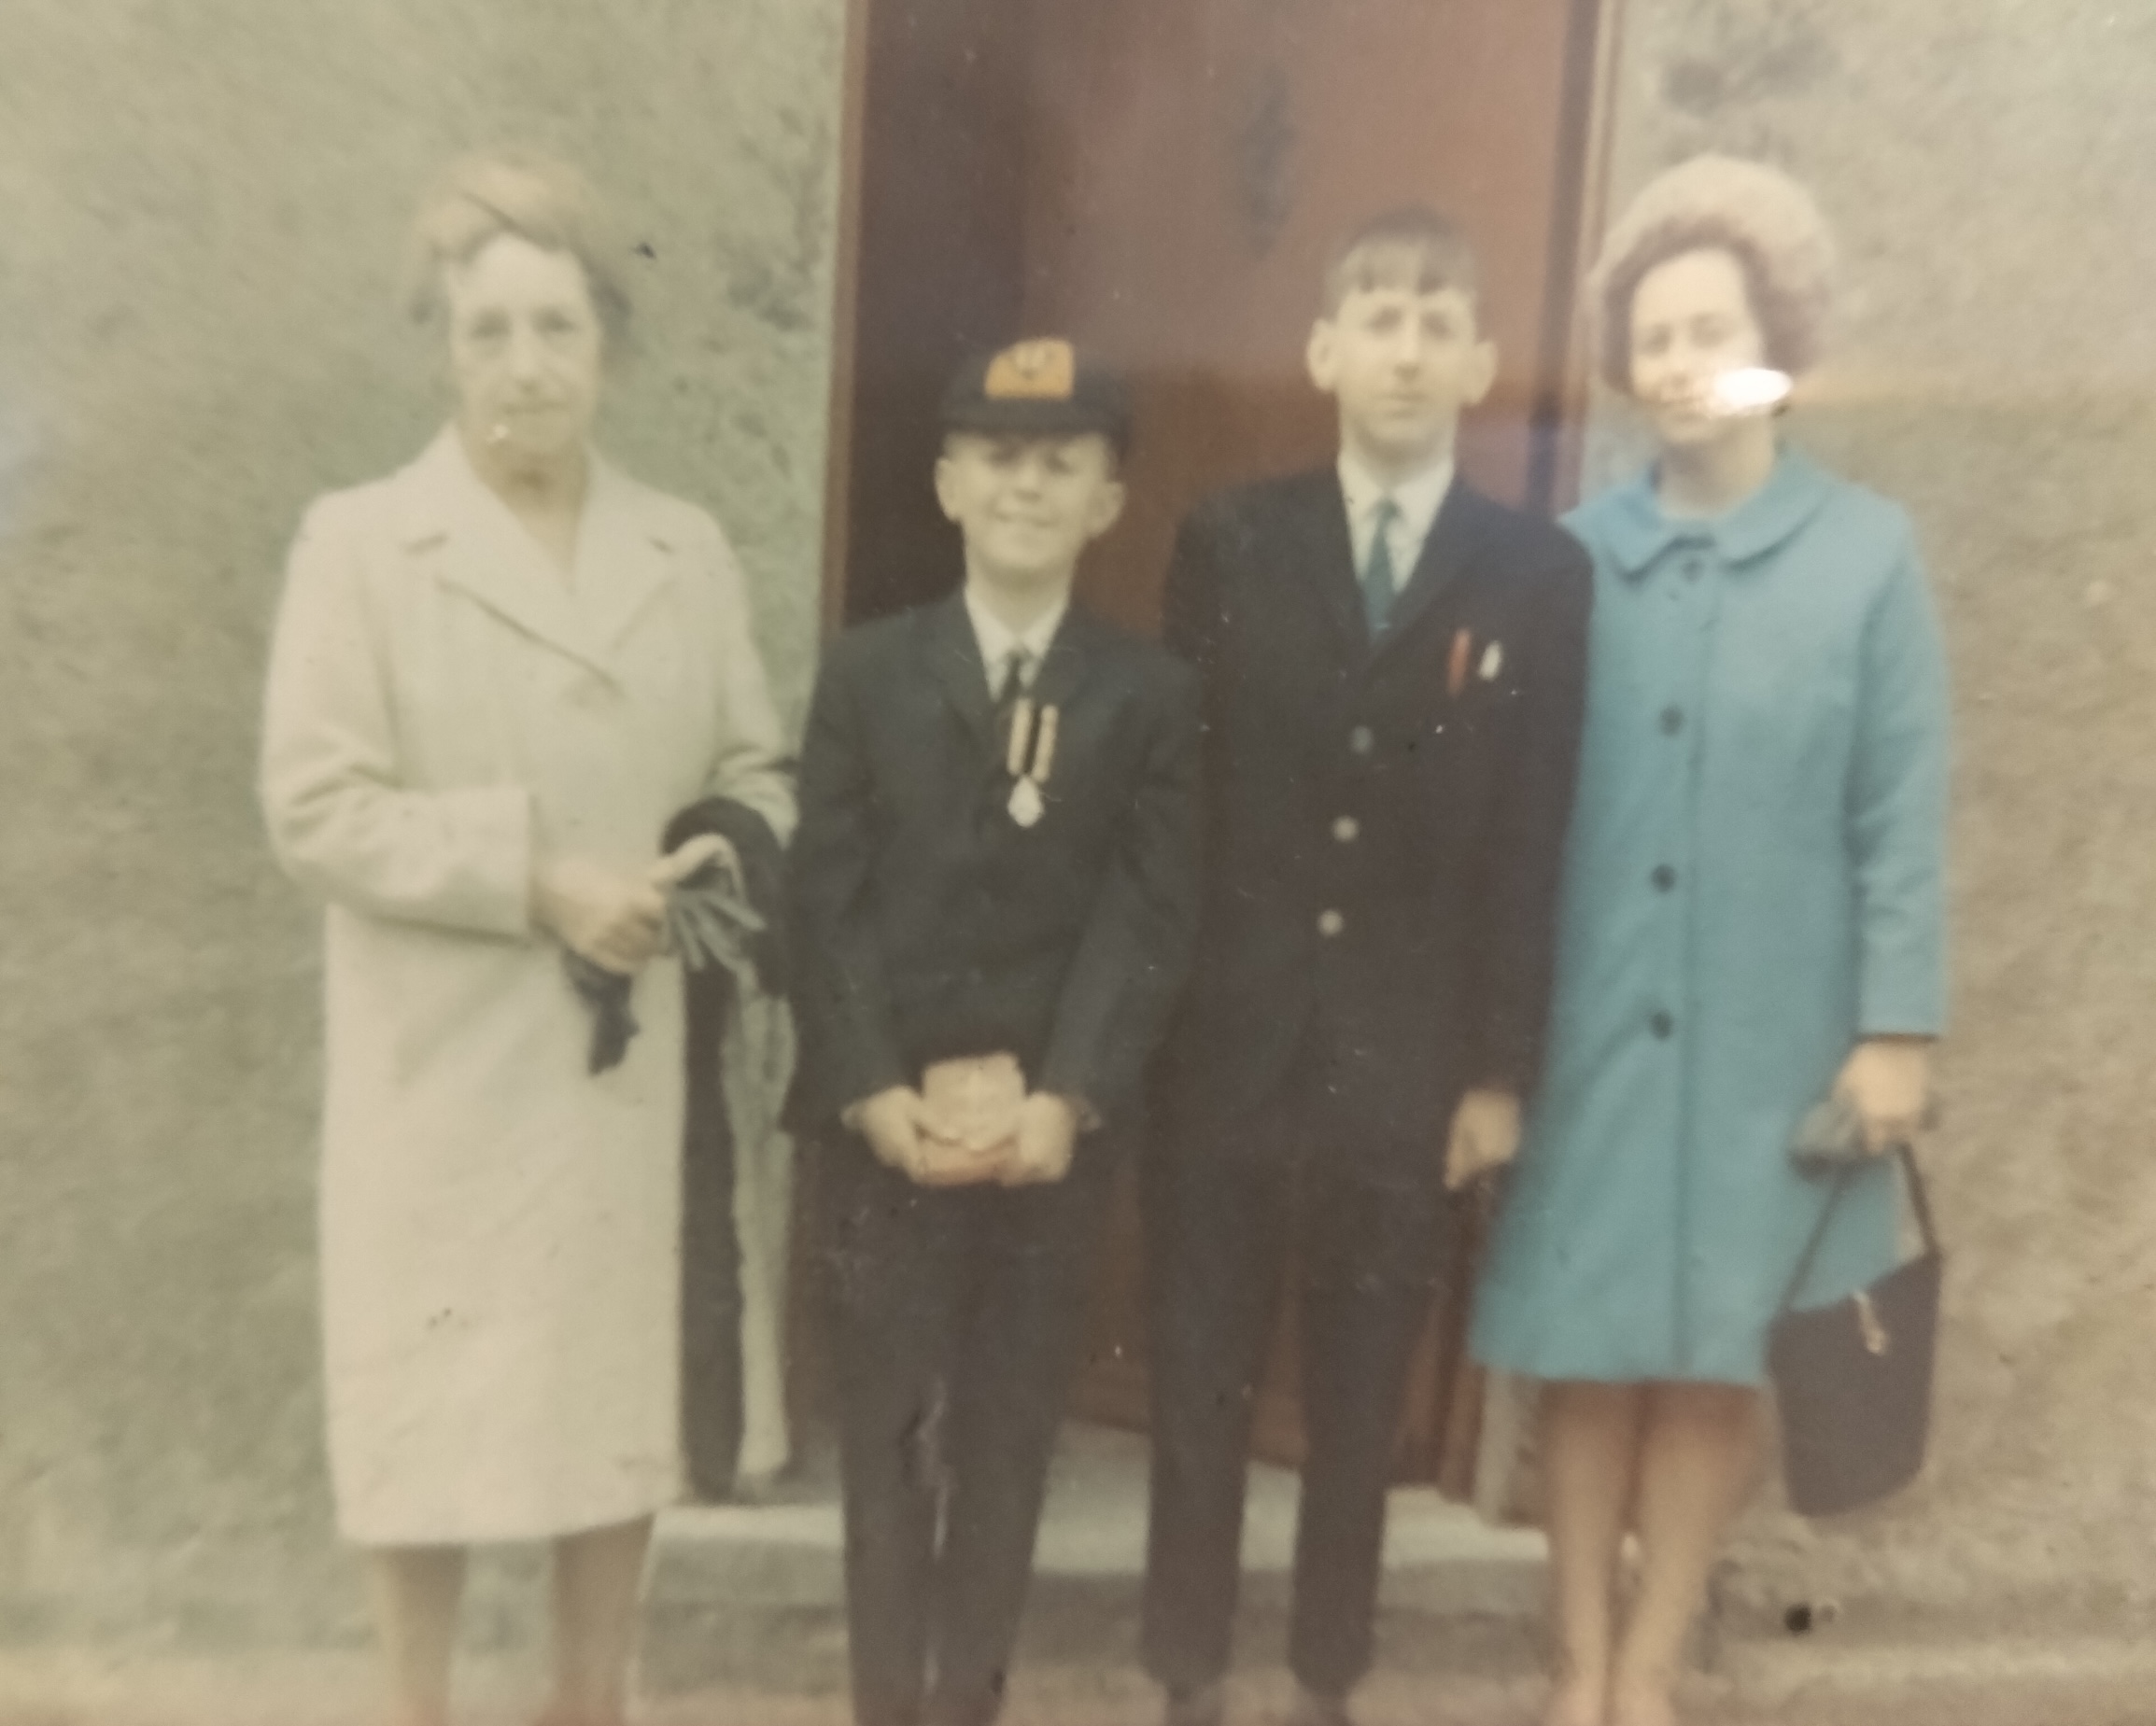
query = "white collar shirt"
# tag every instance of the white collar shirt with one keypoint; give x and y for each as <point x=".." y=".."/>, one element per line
<point x="1416" y="499"/>
<point x="997" y="640"/>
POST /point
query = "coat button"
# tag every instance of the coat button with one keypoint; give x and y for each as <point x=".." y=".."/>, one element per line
<point x="1672" y="721"/>
<point x="1664" y="878"/>
<point x="1361" y="741"/>
<point x="1347" y="830"/>
<point x="1662" y="1025"/>
<point x="1330" y="923"/>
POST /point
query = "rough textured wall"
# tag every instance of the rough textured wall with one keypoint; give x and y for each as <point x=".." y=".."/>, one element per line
<point x="201" y="213"/>
<point x="1986" y="165"/>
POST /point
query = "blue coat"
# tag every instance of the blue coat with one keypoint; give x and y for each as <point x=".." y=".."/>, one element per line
<point x="1752" y="883"/>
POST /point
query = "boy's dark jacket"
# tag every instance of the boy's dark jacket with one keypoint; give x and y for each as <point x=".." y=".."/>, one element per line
<point x="928" y="923"/>
<point x="1384" y="827"/>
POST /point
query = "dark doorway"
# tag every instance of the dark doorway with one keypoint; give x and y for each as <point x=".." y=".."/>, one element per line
<point x="1163" y="181"/>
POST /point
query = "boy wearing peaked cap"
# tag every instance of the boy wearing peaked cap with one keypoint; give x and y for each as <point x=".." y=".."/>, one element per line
<point x="1393" y="668"/>
<point x="994" y="887"/>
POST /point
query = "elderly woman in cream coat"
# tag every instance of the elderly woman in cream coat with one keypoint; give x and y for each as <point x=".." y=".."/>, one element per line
<point x="496" y="675"/>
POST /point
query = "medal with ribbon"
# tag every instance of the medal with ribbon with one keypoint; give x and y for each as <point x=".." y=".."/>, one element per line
<point x="1031" y="757"/>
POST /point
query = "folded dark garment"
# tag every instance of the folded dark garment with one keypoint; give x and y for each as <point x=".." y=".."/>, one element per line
<point x="763" y="861"/>
<point x="719" y="917"/>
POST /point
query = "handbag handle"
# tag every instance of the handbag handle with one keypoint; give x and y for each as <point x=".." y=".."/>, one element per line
<point x="1919" y="1199"/>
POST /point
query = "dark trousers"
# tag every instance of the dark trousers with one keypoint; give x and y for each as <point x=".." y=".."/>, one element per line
<point x="960" y="1312"/>
<point x="1374" y="1228"/>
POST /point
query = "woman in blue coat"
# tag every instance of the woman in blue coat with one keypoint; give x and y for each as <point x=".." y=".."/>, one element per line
<point x="1752" y="918"/>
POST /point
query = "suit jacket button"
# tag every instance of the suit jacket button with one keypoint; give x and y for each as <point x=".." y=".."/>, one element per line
<point x="1347" y="830"/>
<point x="1363" y="740"/>
<point x="1665" y="878"/>
<point x="1330" y="923"/>
<point x="1662" y="1025"/>
<point x="1672" y="721"/>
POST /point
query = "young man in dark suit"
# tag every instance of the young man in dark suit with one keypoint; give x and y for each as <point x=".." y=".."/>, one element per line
<point x="994" y="887"/>
<point x="1394" y="672"/>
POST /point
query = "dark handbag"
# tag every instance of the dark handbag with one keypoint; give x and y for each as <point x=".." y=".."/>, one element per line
<point x="1852" y="1381"/>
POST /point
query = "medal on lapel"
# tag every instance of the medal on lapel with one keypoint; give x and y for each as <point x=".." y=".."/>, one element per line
<point x="1031" y="754"/>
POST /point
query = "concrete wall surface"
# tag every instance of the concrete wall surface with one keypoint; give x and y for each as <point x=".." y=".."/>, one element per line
<point x="202" y="211"/>
<point x="1985" y="165"/>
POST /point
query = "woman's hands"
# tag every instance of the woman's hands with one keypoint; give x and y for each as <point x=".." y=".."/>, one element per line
<point x="614" y="919"/>
<point x="617" y="922"/>
<point x="1887" y="1080"/>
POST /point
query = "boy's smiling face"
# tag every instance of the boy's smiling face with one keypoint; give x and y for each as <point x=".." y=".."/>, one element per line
<point x="1027" y="505"/>
<point x="1402" y="362"/>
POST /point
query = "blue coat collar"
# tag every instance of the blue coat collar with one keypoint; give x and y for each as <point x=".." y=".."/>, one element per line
<point x="1638" y="533"/>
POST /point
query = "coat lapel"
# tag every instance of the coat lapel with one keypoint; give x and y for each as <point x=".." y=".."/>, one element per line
<point x="1451" y="541"/>
<point x="1062" y="673"/>
<point x="1327" y="555"/>
<point x="953" y="657"/>
<point x="474" y="544"/>
<point x="624" y="560"/>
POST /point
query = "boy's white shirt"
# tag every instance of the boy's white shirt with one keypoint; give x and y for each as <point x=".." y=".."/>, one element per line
<point x="997" y="638"/>
<point x="1417" y="499"/>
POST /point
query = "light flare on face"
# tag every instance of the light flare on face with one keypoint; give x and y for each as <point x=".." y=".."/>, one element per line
<point x="1745" y="390"/>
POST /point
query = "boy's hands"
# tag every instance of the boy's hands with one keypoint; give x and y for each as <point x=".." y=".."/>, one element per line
<point x="1486" y="1135"/>
<point x="892" y="1121"/>
<point x="901" y="1130"/>
<point x="971" y="1122"/>
<point x="1047" y="1129"/>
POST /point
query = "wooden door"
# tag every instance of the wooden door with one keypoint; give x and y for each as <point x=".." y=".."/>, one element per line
<point x="1163" y="180"/>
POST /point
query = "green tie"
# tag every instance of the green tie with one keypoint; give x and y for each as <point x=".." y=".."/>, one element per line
<point x="1379" y="585"/>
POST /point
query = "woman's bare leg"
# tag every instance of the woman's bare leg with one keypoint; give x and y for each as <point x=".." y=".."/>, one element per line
<point x="1591" y="1437"/>
<point x="598" y="1586"/>
<point x="414" y="1591"/>
<point x="1698" y="1454"/>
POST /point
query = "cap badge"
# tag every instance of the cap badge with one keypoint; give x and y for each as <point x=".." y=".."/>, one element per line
<point x="1040" y="370"/>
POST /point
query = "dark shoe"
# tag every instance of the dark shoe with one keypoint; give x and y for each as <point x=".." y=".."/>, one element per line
<point x="1204" y="1706"/>
<point x="1311" y="1709"/>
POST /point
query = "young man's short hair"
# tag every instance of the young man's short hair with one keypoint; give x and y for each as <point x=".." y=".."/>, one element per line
<point x="1413" y="247"/>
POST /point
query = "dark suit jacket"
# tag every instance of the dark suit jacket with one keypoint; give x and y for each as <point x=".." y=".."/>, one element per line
<point x="928" y="923"/>
<point x="1384" y="825"/>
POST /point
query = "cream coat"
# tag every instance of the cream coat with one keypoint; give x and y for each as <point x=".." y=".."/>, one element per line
<point x="500" y="1229"/>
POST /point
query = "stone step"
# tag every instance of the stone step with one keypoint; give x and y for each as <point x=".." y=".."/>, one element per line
<point x="1441" y="1558"/>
